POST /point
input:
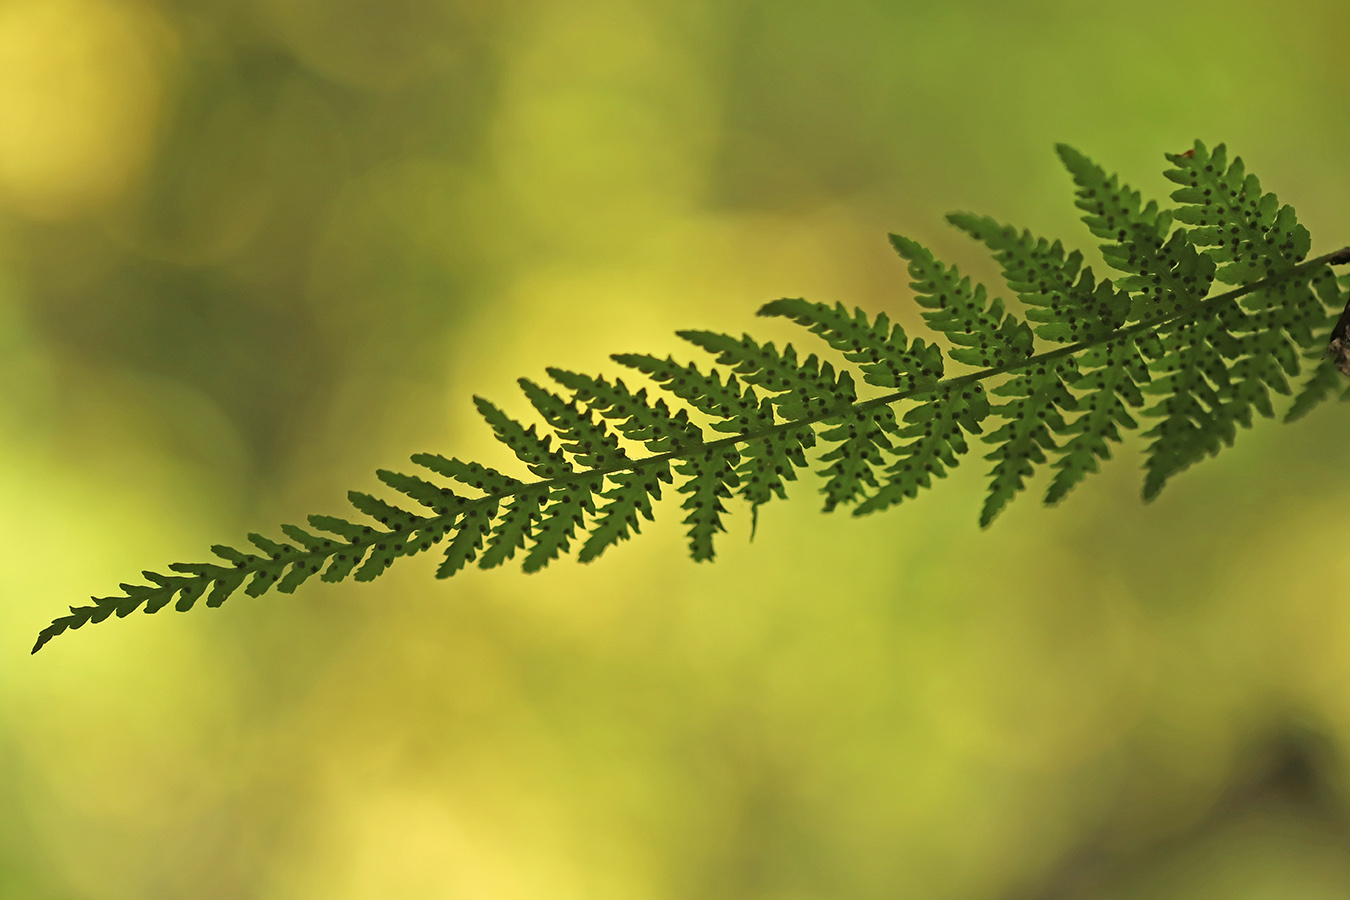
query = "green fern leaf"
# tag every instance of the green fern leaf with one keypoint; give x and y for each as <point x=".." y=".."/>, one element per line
<point x="513" y="528"/>
<point x="1032" y="415"/>
<point x="1106" y="382"/>
<point x="632" y="496"/>
<point x="937" y="431"/>
<point x="712" y="478"/>
<point x="863" y="439"/>
<point x="738" y="408"/>
<point x="1165" y="274"/>
<point x="469" y="538"/>
<point x="1251" y="234"/>
<point x="1209" y="363"/>
<point x="1063" y="295"/>
<point x="590" y="442"/>
<point x="959" y="311"/>
<point x="766" y="461"/>
<point x="652" y="425"/>
<point x="471" y="474"/>
<point x="887" y="358"/>
<point x="529" y="447"/>
<point x="1324" y="379"/>
<point x="803" y="388"/>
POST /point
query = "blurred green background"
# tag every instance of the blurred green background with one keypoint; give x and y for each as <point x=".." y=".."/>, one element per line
<point x="250" y="250"/>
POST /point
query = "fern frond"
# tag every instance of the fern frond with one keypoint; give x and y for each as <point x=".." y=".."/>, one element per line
<point x="1040" y="396"/>
<point x="1106" y="382"/>
<point x="1063" y="295"/>
<point x="937" y="430"/>
<point x="632" y="495"/>
<point x="651" y="424"/>
<point x="887" y="358"/>
<point x="1207" y="361"/>
<point x="1165" y="273"/>
<point x="988" y="336"/>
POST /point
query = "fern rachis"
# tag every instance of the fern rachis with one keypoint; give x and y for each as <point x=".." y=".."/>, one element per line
<point x="1155" y="332"/>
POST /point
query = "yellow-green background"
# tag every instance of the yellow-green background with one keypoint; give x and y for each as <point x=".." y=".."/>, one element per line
<point x="251" y="250"/>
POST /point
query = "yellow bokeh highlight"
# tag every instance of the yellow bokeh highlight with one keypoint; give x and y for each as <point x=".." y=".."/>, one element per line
<point x="605" y="124"/>
<point x="81" y="89"/>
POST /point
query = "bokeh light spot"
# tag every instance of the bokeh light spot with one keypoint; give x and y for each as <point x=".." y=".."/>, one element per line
<point x="81" y="86"/>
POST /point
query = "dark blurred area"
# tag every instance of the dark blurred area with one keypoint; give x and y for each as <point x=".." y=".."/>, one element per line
<point x="262" y="254"/>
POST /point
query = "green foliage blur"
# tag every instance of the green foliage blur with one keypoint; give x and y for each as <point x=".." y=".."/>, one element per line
<point x="251" y="251"/>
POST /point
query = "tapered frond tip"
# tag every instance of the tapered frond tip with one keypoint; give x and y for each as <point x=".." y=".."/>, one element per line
<point x="1072" y="159"/>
